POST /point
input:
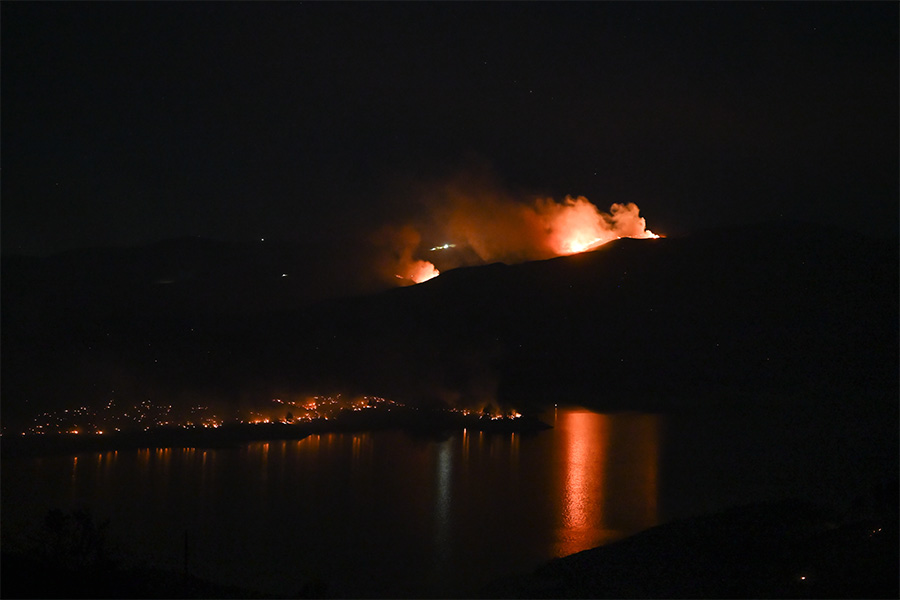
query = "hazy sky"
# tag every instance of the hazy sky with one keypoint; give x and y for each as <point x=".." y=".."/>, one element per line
<point x="125" y="123"/>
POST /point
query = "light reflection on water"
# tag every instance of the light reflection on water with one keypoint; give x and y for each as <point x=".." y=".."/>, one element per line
<point x="585" y="439"/>
<point x="408" y="517"/>
<point x="608" y="477"/>
<point x="384" y="514"/>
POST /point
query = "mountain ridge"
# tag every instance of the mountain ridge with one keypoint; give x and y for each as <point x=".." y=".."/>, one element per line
<point x="784" y="310"/>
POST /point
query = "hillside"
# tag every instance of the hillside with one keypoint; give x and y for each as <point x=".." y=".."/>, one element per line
<point x="724" y="315"/>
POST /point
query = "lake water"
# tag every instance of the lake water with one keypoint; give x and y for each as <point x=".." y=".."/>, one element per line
<point x="386" y="514"/>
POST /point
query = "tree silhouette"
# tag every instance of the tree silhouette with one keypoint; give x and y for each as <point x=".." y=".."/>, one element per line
<point x="74" y="540"/>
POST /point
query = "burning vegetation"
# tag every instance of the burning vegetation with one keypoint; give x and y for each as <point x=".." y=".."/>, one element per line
<point x="475" y="222"/>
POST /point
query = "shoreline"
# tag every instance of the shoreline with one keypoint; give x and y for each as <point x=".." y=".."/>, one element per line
<point x="431" y="424"/>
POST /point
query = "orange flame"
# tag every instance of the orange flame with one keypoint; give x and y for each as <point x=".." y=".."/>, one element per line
<point x="577" y="225"/>
<point x="499" y="228"/>
<point x="401" y="243"/>
<point x="419" y="271"/>
<point x="487" y="224"/>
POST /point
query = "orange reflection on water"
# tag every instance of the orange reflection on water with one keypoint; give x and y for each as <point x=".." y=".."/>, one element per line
<point x="585" y="437"/>
<point x="357" y="445"/>
<point x="609" y="487"/>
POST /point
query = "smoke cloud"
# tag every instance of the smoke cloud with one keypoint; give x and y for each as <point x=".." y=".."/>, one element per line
<point x="477" y="222"/>
<point x="398" y="244"/>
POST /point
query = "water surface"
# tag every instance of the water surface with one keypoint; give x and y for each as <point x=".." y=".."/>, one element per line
<point x="386" y="514"/>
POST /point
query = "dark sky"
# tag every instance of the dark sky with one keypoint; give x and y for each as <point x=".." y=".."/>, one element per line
<point x="125" y="123"/>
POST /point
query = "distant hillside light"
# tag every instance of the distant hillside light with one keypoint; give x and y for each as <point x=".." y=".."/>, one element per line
<point x="444" y="247"/>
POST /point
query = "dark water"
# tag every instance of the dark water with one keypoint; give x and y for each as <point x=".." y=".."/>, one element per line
<point x="387" y="514"/>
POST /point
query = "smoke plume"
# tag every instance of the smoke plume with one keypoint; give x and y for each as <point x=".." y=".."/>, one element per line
<point x="483" y="223"/>
<point x="398" y="244"/>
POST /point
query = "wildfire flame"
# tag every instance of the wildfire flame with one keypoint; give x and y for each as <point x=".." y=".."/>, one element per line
<point x="482" y="223"/>
<point x="580" y="226"/>
<point x="419" y="271"/>
<point x="499" y="228"/>
<point x="401" y="244"/>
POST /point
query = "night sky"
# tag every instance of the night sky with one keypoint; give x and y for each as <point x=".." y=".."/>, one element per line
<point x="127" y="123"/>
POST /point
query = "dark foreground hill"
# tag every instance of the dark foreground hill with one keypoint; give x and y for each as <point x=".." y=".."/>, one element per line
<point x="742" y="313"/>
<point x="784" y="549"/>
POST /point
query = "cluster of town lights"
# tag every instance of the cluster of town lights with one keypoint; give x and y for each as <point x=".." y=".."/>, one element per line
<point x="146" y="415"/>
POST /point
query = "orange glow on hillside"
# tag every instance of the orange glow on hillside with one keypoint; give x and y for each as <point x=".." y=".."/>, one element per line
<point x="399" y="246"/>
<point x="484" y="224"/>
<point x="579" y="226"/>
<point x="420" y="271"/>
